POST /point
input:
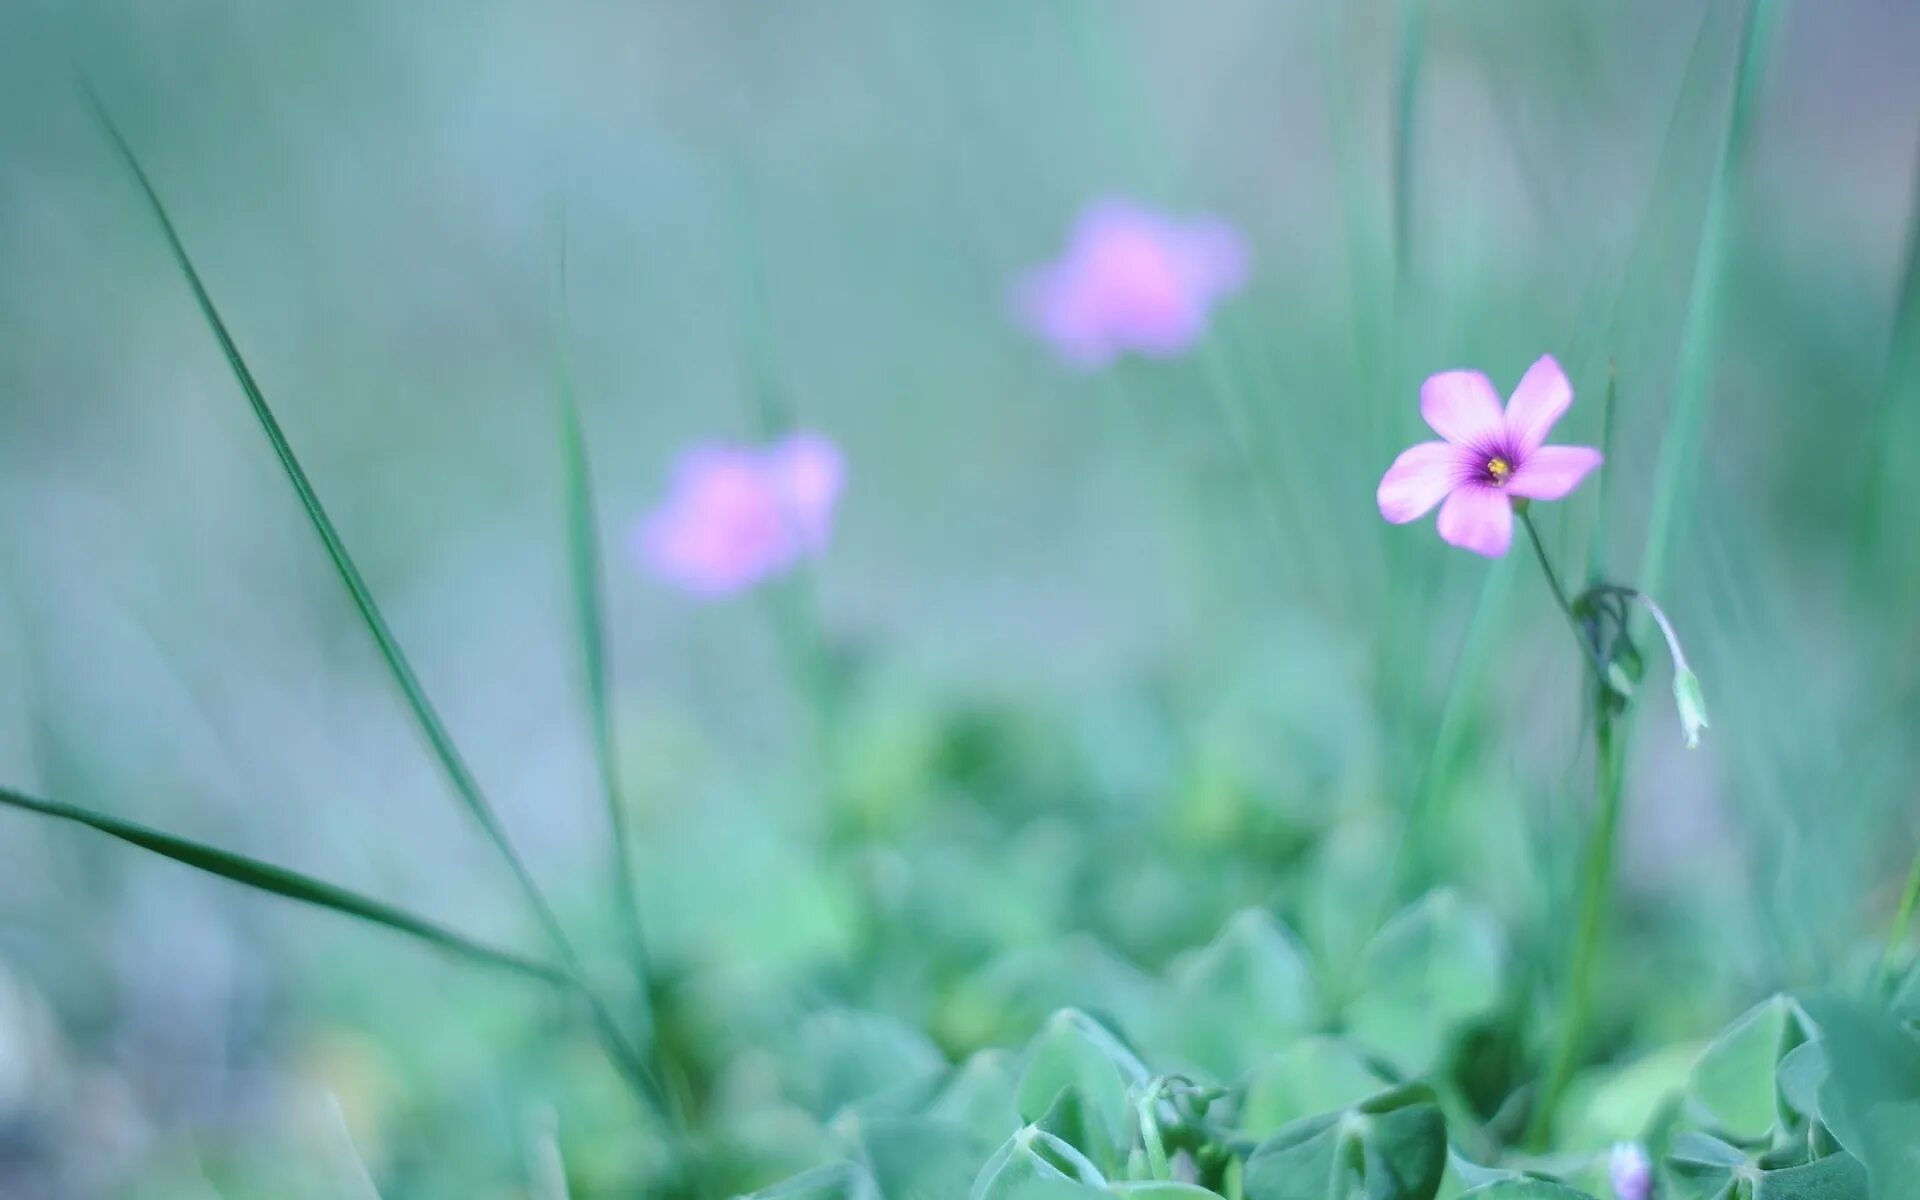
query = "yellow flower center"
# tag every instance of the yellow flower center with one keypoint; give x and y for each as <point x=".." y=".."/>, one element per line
<point x="1498" y="469"/>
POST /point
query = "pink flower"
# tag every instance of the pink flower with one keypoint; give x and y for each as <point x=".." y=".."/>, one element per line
<point x="1488" y="457"/>
<point x="741" y="514"/>
<point x="1629" y="1172"/>
<point x="1131" y="279"/>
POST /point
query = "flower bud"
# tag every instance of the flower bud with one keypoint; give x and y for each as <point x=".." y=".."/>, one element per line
<point x="1692" y="705"/>
<point x="1629" y="1172"/>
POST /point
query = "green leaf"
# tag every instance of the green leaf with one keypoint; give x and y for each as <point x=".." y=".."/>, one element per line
<point x="980" y="1094"/>
<point x="452" y="762"/>
<point x="1241" y="998"/>
<point x="1430" y="971"/>
<point x="1870" y="1098"/>
<point x="1076" y="1084"/>
<point x="1315" y="1158"/>
<point x="835" y="1181"/>
<point x="1703" y="1167"/>
<point x="1525" y="1189"/>
<point x="1732" y="1091"/>
<point x="1016" y="992"/>
<point x="1700" y="333"/>
<point x="913" y="1158"/>
<point x="1313" y="1075"/>
<point x="1391" y="1147"/>
<point x="1162" y="1189"/>
<point x="839" y="1057"/>
<point x="1621" y="1103"/>
<point x="1801" y="1072"/>
<point x="279" y="881"/>
<point x="1033" y="1162"/>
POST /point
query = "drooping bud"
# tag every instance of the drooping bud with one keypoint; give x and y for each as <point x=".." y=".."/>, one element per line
<point x="1692" y="705"/>
<point x="1687" y="696"/>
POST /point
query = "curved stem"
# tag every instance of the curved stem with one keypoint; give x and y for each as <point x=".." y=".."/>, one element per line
<point x="1560" y="597"/>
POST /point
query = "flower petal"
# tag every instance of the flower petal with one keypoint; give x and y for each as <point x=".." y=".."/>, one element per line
<point x="1419" y="479"/>
<point x="1462" y="407"/>
<point x="807" y="473"/>
<point x="1552" y="471"/>
<point x="1478" y="518"/>
<point x="1540" y="400"/>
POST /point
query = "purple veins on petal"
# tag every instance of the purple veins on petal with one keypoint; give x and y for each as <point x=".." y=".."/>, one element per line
<point x="1550" y="472"/>
<point x="1131" y="280"/>
<point x="736" y="515"/>
<point x="1419" y="479"/>
<point x="1478" y="518"/>
<point x="1491" y="455"/>
<point x="1541" y="399"/>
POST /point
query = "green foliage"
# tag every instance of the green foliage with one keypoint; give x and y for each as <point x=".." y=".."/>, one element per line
<point x="1392" y="1146"/>
<point x="1251" y="991"/>
<point x="1423" y="978"/>
<point x="1733" y="1090"/>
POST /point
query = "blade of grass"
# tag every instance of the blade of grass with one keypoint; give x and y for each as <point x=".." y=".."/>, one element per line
<point x="583" y="547"/>
<point x="464" y="783"/>
<point x="279" y="881"/>
<point x="1413" y="32"/>
<point x="1899" y="380"/>
<point x="1680" y="447"/>
<point x="583" y="542"/>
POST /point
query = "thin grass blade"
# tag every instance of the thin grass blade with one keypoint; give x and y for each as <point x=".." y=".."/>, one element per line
<point x="424" y="713"/>
<point x="1680" y="447"/>
<point x="292" y="885"/>
<point x="453" y="763"/>
<point x="583" y="557"/>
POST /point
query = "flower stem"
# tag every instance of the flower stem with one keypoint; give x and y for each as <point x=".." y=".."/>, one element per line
<point x="1596" y="872"/>
<point x="1595" y="888"/>
<point x="1560" y="597"/>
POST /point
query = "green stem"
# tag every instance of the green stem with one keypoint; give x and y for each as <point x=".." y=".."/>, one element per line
<point x="1587" y="649"/>
<point x="1902" y="917"/>
<point x="1596" y="874"/>
<point x="1595" y="891"/>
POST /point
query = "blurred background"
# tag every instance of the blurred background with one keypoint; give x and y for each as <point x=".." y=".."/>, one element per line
<point x="1114" y="653"/>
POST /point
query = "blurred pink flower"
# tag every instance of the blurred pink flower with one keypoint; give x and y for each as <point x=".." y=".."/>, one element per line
<point x="739" y="514"/>
<point x="1629" y="1171"/>
<point x="1131" y="279"/>
<point x="1488" y="457"/>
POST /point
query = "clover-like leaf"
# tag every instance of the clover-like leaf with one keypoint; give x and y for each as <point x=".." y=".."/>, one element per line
<point x="980" y="1094"/>
<point x="915" y="1158"/>
<point x="1390" y="1147"/>
<point x="1870" y="1097"/>
<point x="835" y="1181"/>
<point x="1521" y="1188"/>
<point x="1076" y="1083"/>
<point x="839" y="1057"/>
<point x="1241" y="998"/>
<point x="1313" y="1075"/>
<point x="1704" y="1167"/>
<point x="1031" y="1161"/>
<point x="1733" y="1090"/>
<point x="1429" y="972"/>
